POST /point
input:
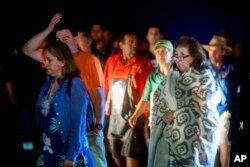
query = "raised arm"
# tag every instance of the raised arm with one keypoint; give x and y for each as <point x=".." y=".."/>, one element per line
<point x="34" y="47"/>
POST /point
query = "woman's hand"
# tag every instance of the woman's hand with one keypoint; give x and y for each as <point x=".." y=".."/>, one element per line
<point x="168" y="117"/>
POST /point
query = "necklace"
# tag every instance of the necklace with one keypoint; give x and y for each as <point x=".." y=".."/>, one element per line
<point x="49" y="97"/>
<point x="53" y="88"/>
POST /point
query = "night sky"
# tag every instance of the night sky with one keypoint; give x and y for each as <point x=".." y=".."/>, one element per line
<point x="200" y="19"/>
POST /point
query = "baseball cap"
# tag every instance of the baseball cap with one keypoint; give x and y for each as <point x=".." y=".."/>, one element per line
<point x="165" y="43"/>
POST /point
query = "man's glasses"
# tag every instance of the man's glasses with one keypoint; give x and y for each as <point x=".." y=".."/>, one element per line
<point x="180" y="58"/>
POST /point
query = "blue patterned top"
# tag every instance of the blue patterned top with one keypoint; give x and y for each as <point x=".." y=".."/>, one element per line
<point x="64" y="115"/>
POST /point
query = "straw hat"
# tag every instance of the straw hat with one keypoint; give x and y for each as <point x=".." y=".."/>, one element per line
<point x="218" y="41"/>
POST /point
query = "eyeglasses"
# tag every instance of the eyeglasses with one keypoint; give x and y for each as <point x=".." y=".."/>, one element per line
<point x="180" y="58"/>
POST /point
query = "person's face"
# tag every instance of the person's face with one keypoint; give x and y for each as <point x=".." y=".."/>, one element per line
<point x="67" y="37"/>
<point x="153" y="35"/>
<point x="182" y="58"/>
<point x="215" y="53"/>
<point x="107" y="36"/>
<point x="129" y="46"/>
<point x="96" y="32"/>
<point x="162" y="55"/>
<point x="237" y="49"/>
<point x="53" y="65"/>
<point x="83" y="42"/>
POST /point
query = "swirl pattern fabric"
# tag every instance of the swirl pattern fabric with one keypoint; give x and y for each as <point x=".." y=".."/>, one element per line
<point x="192" y="139"/>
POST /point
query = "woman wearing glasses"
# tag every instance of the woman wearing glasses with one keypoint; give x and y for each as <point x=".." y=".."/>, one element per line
<point x="185" y="118"/>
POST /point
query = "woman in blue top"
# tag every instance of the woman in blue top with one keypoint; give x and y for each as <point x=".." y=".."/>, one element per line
<point x="61" y="111"/>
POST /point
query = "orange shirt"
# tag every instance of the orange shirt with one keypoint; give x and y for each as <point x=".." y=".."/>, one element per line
<point x="141" y="68"/>
<point x="90" y="72"/>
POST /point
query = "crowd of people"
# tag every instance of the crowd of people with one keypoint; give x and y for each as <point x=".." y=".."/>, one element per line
<point x="127" y="102"/>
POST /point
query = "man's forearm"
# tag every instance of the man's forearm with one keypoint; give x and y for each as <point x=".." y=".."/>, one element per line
<point x="100" y="105"/>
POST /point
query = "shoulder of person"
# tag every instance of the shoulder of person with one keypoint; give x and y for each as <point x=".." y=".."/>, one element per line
<point x="76" y="80"/>
<point x="146" y="62"/>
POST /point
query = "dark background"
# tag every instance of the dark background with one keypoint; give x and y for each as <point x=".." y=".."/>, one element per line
<point x="22" y="19"/>
<point x="198" y="18"/>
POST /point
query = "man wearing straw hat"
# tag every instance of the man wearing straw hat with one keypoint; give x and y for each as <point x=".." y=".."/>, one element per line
<point x="226" y="75"/>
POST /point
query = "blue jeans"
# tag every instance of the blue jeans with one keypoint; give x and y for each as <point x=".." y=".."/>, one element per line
<point x="96" y="145"/>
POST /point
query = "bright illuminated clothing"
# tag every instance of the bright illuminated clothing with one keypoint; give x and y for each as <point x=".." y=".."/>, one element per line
<point x="141" y="68"/>
<point x="126" y="83"/>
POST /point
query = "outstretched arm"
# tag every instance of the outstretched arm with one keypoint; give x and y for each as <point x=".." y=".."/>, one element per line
<point x="34" y="47"/>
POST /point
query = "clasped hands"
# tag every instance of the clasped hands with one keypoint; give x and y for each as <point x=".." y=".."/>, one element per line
<point x="168" y="117"/>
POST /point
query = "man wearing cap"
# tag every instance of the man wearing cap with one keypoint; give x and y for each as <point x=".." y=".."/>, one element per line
<point x="163" y="50"/>
<point x="226" y="76"/>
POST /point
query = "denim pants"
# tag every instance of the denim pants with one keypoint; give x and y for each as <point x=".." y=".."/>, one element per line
<point x="96" y="145"/>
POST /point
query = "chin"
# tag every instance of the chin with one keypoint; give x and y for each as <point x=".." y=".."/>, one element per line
<point x="49" y="73"/>
<point x="182" y="70"/>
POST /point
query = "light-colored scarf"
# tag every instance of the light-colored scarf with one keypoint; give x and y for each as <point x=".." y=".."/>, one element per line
<point x="173" y="145"/>
<point x="169" y="90"/>
<point x="158" y="147"/>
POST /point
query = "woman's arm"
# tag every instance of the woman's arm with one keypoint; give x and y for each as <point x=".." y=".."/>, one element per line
<point x="78" y="107"/>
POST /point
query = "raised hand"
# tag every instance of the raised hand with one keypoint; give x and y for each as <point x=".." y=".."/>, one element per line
<point x="55" y="19"/>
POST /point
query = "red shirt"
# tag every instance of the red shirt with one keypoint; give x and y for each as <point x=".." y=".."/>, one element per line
<point x="141" y="68"/>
